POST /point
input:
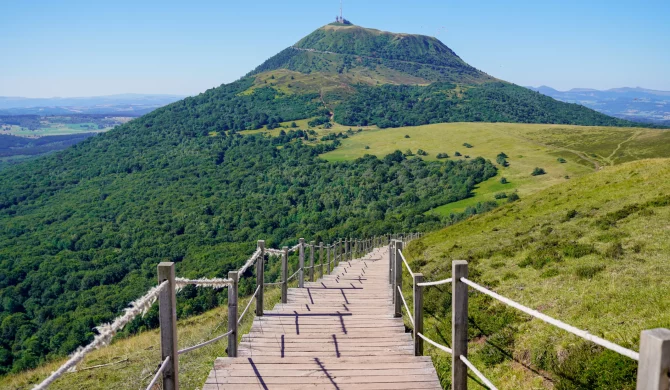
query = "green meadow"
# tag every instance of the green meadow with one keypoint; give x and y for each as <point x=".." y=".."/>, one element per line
<point x="583" y="148"/>
<point x="592" y="252"/>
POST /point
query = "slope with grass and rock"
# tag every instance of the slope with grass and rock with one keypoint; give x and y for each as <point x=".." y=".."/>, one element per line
<point x="592" y="252"/>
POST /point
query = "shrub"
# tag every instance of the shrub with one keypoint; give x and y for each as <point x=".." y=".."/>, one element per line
<point x="442" y="155"/>
<point x="466" y="156"/>
<point x="503" y="180"/>
<point x="569" y="215"/>
<point x="467" y="145"/>
<point x="538" y="171"/>
<point x="366" y="147"/>
<point x="500" y="195"/>
<point x="577" y="250"/>
<point x="406" y="136"/>
<point x="421" y="152"/>
<point x="408" y="152"/>
<point x="457" y="154"/>
<point x="550" y="273"/>
<point x="509" y="275"/>
<point x="614" y="250"/>
<point x="588" y="271"/>
<point x="513" y="197"/>
<point x="561" y="160"/>
<point x="294" y="125"/>
<point x="502" y="159"/>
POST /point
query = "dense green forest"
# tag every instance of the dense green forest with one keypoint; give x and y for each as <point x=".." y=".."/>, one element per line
<point x="81" y="231"/>
<point x="406" y="105"/>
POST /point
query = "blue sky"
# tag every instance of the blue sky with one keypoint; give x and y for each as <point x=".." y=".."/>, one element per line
<point x="85" y="48"/>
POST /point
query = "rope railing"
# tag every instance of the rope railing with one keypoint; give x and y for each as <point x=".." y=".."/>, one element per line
<point x="411" y="320"/>
<point x="204" y="343"/>
<point x="204" y="282"/>
<point x="478" y="373"/>
<point x="405" y="262"/>
<point x="248" y="304"/>
<point x="158" y="373"/>
<point x="139" y="307"/>
<point x="294" y="275"/>
<point x="106" y="332"/>
<point x="436" y="345"/>
<point x="559" y="324"/>
<point x="435" y="283"/>
<point x="249" y="262"/>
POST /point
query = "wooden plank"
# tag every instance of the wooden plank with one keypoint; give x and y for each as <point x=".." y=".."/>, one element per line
<point x="346" y="337"/>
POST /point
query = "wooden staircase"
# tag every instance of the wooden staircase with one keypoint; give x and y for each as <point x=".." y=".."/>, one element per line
<point x="336" y="333"/>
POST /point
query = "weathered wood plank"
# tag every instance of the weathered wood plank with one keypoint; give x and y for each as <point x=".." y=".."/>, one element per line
<point x="336" y="333"/>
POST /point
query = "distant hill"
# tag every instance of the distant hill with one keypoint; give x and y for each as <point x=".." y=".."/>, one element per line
<point x="129" y="104"/>
<point x="636" y="104"/>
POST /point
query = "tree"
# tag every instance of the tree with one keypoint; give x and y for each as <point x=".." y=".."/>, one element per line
<point x="442" y="155"/>
<point x="503" y="180"/>
<point x="421" y="152"/>
<point x="538" y="172"/>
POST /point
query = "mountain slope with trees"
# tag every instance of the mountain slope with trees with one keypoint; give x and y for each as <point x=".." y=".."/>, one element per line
<point x="82" y="230"/>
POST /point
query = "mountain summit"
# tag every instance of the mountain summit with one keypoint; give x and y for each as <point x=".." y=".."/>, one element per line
<point x="359" y="76"/>
<point x="374" y="56"/>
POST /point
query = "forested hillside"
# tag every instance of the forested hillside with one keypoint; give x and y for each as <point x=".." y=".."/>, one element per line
<point x="82" y="231"/>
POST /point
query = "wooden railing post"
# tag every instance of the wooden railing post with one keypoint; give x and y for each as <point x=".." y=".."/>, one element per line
<point x="301" y="264"/>
<point x="260" y="268"/>
<point x="398" y="279"/>
<point x="345" y="249"/>
<point x="311" y="261"/>
<point x="321" y="258"/>
<point x="654" y="365"/>
<point x="167" y="317"/>
<point x="328" y="252"/>
<point x="459" y="324"/>
<point x="418" y="314"/>
<point x="284" y="275"/>
<point x="391" y="253"/>
<point x="232" y="314"/>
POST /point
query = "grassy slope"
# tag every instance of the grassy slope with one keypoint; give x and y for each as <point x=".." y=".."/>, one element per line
<point x="615" y="292"/>
<point x="527" y="145"/>
<point x="139" y="356"/>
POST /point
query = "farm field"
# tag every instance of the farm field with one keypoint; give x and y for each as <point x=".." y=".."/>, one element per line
<point x="56" y="129"/>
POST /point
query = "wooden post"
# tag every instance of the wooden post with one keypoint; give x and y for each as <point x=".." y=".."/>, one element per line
<point x="398" y="279"/>
<point x="311" y="261"/>
<point x="418" y="315"/>
<point x="167" y="317"/>
<point x="321" y="257"/>
<point x="654" y="365"/>
<point x="459" y="324"/>
<point x="260" y="268"/>
<point x="232" y="315"/>
<point x="284" y="275"/>
<point x="328" y="258"/>
<point x="391" y="252"/>
<point x="301" y="264"/>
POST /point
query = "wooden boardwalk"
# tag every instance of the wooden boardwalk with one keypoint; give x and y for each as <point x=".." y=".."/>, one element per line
<point x="336" y="333"/>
